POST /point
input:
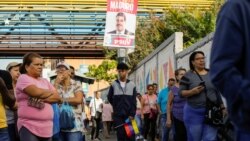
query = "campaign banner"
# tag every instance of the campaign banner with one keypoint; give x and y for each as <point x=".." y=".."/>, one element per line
<point x="120" y="23"/>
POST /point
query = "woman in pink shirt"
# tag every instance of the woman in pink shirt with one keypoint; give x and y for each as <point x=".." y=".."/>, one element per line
<point x="148" y="103"/>
<point x="34" y="95"/>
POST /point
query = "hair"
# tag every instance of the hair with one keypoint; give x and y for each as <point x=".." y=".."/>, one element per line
<point x="27" y="60"/>
<point x="171" y="79"/>
<point x="178" y="71"/>
<point x="191" y="58"/>
<point x="71" y="67"/>
<point x="120" y="14"/>
<point x="122" y="66"/>
<point x="138" y="94"/>
<point x="149" y="85"/>
<point x="155" y="84"/>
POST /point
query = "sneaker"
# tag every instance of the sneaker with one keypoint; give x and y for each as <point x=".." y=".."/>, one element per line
<point x="144" y="140"/>
<point x="141" y="137"/>
<point x="97" y="139"/>
<point x="137" y="137"/>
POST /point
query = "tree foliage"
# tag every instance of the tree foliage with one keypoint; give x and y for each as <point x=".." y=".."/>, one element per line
<point x="152" y="31"/>
<point x="104" y="71"/>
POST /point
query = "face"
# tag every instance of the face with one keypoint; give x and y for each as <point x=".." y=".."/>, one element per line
<point x="171" y="83"/>
<point x="199" y="61"/>
<point x="155" y="88"/>
<point x="139" y="97"/>
<point x="150" y="90"/>
<point x="63" y="72"/>
<point x="181" y="73"/>
<point x="35" y="68"/>
<point x="122" y="74"/>
<point x="98" y="95"/>
<point x="72" y="73"/>
<point x="15" y="73"/>
<point x="120" y="23"/>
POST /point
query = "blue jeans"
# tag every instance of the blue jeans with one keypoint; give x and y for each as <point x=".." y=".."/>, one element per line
<point x="164" y="129"/>
<point x="4" y="135"/>
<point x="71" y="136"/>
<point x="197" y="130"/>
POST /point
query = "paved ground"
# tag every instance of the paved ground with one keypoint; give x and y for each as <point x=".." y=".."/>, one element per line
<point x="112" y="137"/>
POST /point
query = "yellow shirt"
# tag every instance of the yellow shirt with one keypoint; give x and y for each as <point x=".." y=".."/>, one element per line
<point x="3" y="120"/>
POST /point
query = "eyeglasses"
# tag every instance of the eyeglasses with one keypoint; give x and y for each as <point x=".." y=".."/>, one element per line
<point x="200" y="58"/>
<point x="61" y="70"/>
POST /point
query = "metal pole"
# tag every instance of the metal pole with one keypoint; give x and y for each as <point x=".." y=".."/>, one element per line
<point x="122" y="54"/>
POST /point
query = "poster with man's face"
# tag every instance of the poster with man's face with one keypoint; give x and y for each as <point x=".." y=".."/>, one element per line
<point x="120" y="23"/>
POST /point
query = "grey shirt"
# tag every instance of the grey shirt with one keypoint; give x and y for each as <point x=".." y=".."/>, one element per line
<point x="191" y="80"/>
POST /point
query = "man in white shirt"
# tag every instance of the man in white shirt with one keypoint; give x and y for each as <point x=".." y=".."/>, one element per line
<point x="96" y="112"/>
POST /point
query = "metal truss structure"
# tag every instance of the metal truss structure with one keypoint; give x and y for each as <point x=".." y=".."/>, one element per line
<point x="66" y="28"/>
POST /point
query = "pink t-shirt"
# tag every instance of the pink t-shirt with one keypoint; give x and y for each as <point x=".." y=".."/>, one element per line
<point x="149" y="102"/>
<point x="39" y="122"/>
<point x="107" y="112"/>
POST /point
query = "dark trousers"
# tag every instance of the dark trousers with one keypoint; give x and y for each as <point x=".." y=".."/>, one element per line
<point x="26" y="135"/>
<point x="120" y="130"/>
<point x="149" y="127"/>
<point x="180" y="130"/>
<point x="12" y="130"/>
<point x="95" y="127"/>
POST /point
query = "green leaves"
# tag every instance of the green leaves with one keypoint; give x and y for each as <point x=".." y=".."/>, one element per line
<point x="153" y="30"/>
<point x="105" y="71"/>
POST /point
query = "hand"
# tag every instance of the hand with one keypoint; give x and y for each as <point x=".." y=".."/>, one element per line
<point x="197" y="90"/>
<point x="131" y="118"/>
<point x="142" y="116"/>
<point x="168" y="123"/>
<point x="59" y="79"/>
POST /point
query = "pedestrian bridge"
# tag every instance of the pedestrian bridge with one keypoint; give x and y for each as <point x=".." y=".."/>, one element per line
<point x="66" y="28"/>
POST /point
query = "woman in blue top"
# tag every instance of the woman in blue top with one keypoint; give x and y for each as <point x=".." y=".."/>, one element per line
<point x="175" y="107"/>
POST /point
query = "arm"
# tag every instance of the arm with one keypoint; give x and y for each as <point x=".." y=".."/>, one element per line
<point x="53" y="98"/>
<point x="169" y="108"/>
<point x="110" y="95"/>
<point x="194" y="91"/>
<point x="185" y="90"/>
<point x="75" y="100"/>
<point x="6" y="93"/>
<point x="158" y="102"/>
<point x="142" y="107"/>
<point x="133" y="104"/>
<point x="227" y="70"/>
<point x="34" y="91"/>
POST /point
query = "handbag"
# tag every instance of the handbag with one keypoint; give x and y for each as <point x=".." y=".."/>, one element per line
<point x="67" y="118"/>
<point x="153" y="112"/>
<point x="213" y="113"/>
<point x="36" y="103"/>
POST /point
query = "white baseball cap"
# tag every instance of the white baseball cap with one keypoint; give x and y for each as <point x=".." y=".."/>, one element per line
<point x="63" y="64"/>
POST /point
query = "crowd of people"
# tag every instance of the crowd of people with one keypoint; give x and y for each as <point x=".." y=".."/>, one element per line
<point x="34" y="109"/>
<point x="39" y="110"/>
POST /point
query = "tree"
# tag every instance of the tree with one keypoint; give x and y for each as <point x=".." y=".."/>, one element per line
<point x="105" y="71"/>
<point x="152" y="31"/>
